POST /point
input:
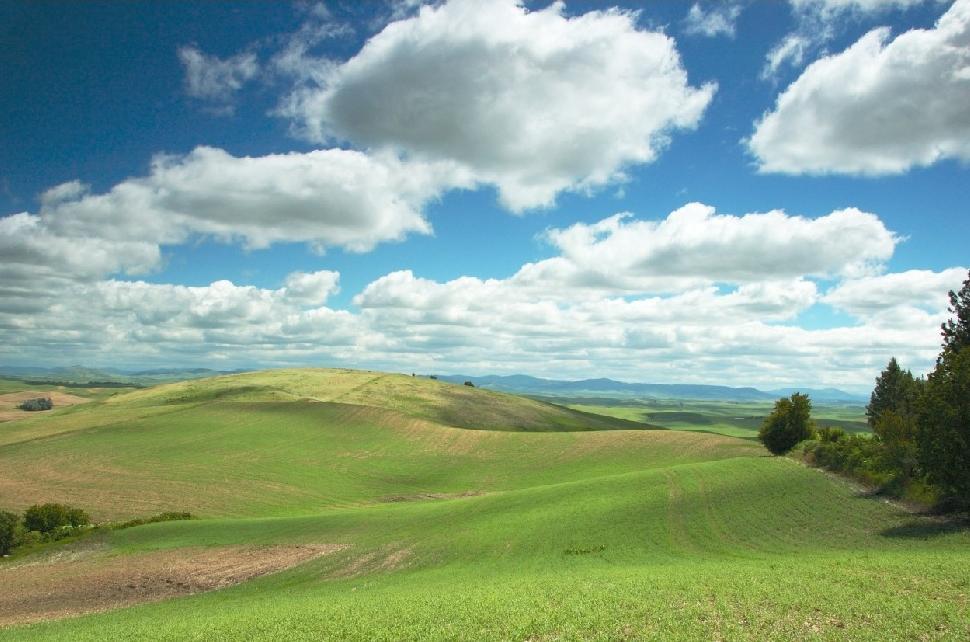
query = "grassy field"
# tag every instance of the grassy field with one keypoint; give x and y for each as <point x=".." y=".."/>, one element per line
<point x="733" y="418"/>
<point x="597" y="529"/>
<point x="92" y="392"/>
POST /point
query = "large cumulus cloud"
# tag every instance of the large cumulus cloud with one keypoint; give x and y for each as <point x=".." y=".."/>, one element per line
<point x="882" y="106"/>
<point x="534" y="102"/>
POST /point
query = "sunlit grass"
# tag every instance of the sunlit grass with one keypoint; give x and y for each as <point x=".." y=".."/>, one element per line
<point x="453" y="533"/>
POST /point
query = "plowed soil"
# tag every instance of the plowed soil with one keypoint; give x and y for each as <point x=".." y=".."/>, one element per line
<point x="90" y="580"/>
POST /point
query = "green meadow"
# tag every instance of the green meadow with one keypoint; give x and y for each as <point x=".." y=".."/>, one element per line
<point x="733" y="418"/>
<point x="472" y="515"/>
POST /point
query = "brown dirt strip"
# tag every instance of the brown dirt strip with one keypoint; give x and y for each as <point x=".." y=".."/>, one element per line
<point x="62" y="586"/>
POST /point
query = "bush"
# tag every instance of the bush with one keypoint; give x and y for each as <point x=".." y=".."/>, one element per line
<point x="40" y="403"/>
<point x="161" y="517"/>
<point x="77" y="517"/>
<point x="469" y="383"/>
<point x="48" y="518"/>
<point x="9" y="524"/>
<point x="829" y="434"/>
<point x="789" y="423"/>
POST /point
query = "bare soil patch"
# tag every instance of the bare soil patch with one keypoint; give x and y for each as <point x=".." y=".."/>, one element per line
<point x="418" y="497"/>
<point x="10" y="401"/>
<point x="88" y="581"/>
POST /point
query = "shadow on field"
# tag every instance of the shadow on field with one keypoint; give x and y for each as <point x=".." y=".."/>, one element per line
<point x="926" y="528"/>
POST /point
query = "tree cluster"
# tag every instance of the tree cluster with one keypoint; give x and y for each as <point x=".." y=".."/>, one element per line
<point x="40" y="403"/>
<point x="921" y="427"/>
<point x="41" y="522"/>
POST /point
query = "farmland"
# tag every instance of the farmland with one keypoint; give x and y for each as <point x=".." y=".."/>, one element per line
<point x="448" y="512"/>
<point x="733" y="418"/>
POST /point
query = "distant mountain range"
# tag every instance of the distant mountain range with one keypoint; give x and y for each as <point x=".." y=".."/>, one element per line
<point x="525" y="384"/>
<point x="522" y="384"/>
<point x="82" y="375"/>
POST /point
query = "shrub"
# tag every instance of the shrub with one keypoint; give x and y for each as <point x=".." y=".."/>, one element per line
<point x="161" y="517"/>
<point x="789" y="423"/>
<point x="76" y="517"/>
<point x="8" y="532"/>
<point x="469" y="383"/>
<point x="48" y="518"/>
<point x="40" y="403"/>
<point x="829" y="434"/>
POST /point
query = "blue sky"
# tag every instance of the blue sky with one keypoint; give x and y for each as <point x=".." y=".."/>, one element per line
<point x="386" y="185"/>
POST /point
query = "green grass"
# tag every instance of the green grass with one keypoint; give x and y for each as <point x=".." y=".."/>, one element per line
<point x="610" y="534"/>
<point x="444" y="403"/>
<point x="282" y="458"/>
<point x="16" y="385"/>
<point x="735" y="419"/>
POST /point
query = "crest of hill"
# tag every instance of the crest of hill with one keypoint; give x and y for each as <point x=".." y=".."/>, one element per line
<point x="445" y="403"/>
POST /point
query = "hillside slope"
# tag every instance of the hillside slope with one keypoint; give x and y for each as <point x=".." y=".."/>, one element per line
<point x="438" y="401"/>
<point x="440" y="532"/>
<point x="236" y="458"/>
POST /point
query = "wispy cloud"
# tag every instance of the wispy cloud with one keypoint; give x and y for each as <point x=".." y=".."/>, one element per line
<point x="817" y="22"/>
<point x="214" y="80"/>
<point x="718" y="20"/>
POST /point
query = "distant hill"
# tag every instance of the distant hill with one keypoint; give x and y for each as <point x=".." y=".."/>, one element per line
<point x="521" y="384"/>
<point x="82" y="375"/>
<point x="439" y="401"/>
<point x="525" y="384"/>
<point x="831" y="395"/>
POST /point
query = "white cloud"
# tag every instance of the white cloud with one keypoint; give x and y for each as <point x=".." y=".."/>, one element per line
<point x="326" y="198"/>
<point x="694" y="244"/>
<point x="312" y="287"/>
<point x="532" y="101"/>
<point x="216" y="80"/>
<point x="746" y="335"/>
<point x="717" y="21"/>
<point x="648" y="317"/>
<point x="817" y="23"/>
<point x="36" y="264"/>
<point x="880" y="107"/>
<point x="790" y="50"/>
<point x="831" y="9"/>
<point x="136" y="320"/>
<point x="295" y="59"/>
<point x="923" y="289"/>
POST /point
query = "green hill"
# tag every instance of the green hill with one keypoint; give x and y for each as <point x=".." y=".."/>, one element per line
<point x="558" y="530"/>
<point x="445" y="403"/>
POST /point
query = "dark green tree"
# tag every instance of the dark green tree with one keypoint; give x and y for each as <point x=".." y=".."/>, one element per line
<point x="943" y="425"/>
<point x="46" y="518"/>
<point x="897" y="441"/>
<point x="789" y="423"/>
<point x="41" y="403"/>
<point x="896" y="390"/>
<point x="76" y="517"/>
<point x="956" y="331"/>
<point x="8" y="532"/>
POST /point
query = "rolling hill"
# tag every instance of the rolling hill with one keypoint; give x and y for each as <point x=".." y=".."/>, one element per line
<point x="457" y="513"/>
<point x="524" y="384"/>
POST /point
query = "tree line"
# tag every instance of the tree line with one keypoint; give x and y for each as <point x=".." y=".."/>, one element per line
<point x="40" y="523"/>
<point x="920" y="442"/>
